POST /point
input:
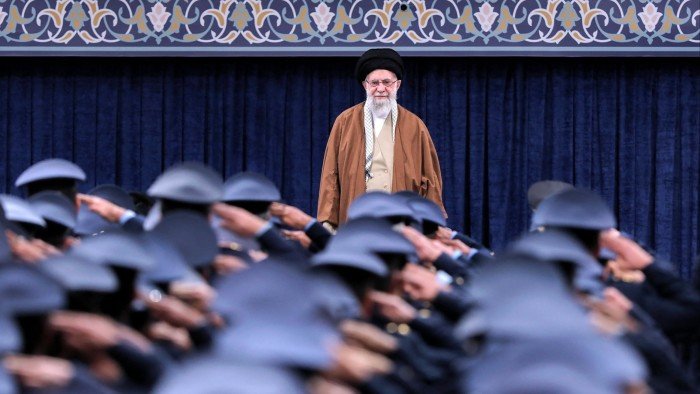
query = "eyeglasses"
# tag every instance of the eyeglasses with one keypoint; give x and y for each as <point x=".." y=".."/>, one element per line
<point x="375" y="82"/>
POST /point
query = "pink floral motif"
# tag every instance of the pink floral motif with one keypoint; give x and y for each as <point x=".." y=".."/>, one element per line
<point x="322" y="16"/>
<point x="486" y="17"/>
<point x="650" y="17"/>
<point x="158" y="17"/>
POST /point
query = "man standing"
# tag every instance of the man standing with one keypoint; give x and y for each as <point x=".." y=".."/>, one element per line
<point x="377" y="145"/>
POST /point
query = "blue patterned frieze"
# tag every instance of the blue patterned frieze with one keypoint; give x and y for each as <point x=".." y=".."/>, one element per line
<point x="348" y="27"/>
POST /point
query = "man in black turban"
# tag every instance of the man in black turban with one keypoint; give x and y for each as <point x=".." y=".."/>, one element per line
<point x="385" y="147"/>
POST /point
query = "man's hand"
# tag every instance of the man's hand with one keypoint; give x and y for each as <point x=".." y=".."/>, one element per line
<point x="456" y="244"/>
<point x="40" y="372"/>
<point x="420" y="283"/>
<point x="321" y="385"/>
<point x="68" y="243"/>
<point x="290" y="215"/>
<point x="617" y="300"/>
<point x="197" y="294"/>
<point x="356" y="365"/>
<point x="367" y="336"/>
<point x="444" y="234"/>
<point x="105" y="208"/>
<point x="225" y="264"/>
<point x="443" y="246"/>
<point x="162" y="331"/>
<point x="238" y="220"/>
<point x="175" y="312"/>
<point x="29" y="251"/>
<point x="84" y="331"/>
<point x="427" y="249"/>
<point x="629" y="276"/>
<point x="393" y="307"/>
<point x="630" y="256"/>
<point x="611" y="314"/>
<point x="48" y="249"/>
<point x="298" y="236"/>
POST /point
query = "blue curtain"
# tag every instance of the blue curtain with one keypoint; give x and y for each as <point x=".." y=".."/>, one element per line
<point x="627" y="128"/>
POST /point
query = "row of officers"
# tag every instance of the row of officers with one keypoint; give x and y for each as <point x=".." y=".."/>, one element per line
<point x="205" y="286"/>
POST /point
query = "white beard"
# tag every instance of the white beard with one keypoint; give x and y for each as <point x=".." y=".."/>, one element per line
<point x="381" y="108"/>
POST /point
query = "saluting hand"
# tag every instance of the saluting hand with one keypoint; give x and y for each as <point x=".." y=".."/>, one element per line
<point x="610" y="315"/>
<point x="197" y="294"/>
<point x="39" y="371"/>
<point x="175" y="312"/>
<point x="356" y="365"/>
<point x="393" y="307"/>
<point x="321" y="385"/>
<point x="290" y="215"/>
<point x="225" y="264"/>
<point x="298" y="236"/>
<point x="85" y="331"/>
<point x="630" y="256"/>
<point x="163" y="331"/>
<point x="368" y="336"/>
<point x="238" y="220"/>
<point x="443" y="233"/>
<point x="427" y="249"/>
<point x="103" y="207"/>
<point x="29" y="251"/>
<point x="420" y="283"/>
<point x="456" y="244"/>
<point x="88" y="332"/>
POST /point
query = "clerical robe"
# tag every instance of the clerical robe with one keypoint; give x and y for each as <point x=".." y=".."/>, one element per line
<point x="416" y="165"/>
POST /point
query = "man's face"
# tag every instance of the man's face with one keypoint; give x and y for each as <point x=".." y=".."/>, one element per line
<point x="381" y="92"/>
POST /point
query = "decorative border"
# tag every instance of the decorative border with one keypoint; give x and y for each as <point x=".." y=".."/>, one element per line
<point x="346" y="27"/>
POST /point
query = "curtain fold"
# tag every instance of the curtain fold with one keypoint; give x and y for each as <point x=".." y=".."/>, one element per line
<point x="626" y="128"/>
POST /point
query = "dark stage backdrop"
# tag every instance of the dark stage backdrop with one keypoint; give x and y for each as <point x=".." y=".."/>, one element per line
<point x="627" y="128"/>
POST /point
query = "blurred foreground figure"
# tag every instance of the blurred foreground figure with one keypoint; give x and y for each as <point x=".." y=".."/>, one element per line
<point x="225" y="288"/>
<point x="654" y="301"/>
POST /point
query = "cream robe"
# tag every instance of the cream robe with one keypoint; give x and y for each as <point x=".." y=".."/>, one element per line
<point x="382" y="160"/>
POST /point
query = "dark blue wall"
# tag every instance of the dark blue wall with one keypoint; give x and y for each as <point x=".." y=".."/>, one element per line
<point x="627" y="128"/>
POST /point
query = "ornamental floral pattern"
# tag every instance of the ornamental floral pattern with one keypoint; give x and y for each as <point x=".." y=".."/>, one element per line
<point x="347" y="25"/>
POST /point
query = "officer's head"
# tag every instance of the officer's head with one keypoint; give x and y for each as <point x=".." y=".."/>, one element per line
<point x="579" y="212"/>
<point x="52" y="174"/>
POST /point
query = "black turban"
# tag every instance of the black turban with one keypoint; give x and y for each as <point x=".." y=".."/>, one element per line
<point x="379" y="59"/>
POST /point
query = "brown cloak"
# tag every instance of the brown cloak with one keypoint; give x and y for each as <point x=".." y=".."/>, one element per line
<point x="416" y="165"/>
